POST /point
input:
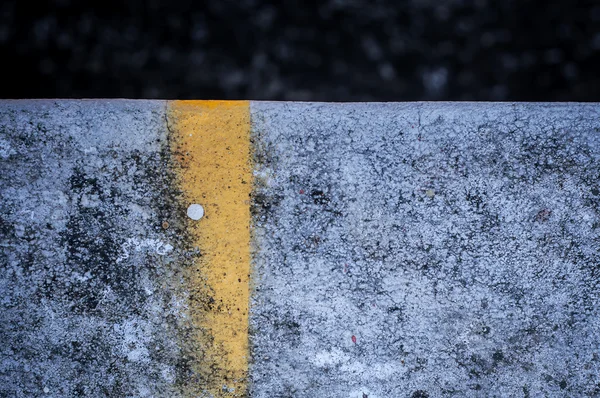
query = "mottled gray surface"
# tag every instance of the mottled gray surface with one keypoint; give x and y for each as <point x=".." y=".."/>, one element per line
<point x="401" y="250"/>
<point x="87" y="276"/>
<point x="457" y="243"/>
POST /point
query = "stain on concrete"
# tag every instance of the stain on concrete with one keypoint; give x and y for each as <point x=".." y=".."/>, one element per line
<point x="90" y="281"/>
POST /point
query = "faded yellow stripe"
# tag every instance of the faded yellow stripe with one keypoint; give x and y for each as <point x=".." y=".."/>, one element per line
<point x="211" y="145"/>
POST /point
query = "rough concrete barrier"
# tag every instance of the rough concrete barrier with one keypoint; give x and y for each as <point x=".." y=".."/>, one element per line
<point x="231" y="249"/>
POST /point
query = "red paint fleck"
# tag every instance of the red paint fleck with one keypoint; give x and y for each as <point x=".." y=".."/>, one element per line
<point x="543" y="215"/>
<point x="345" y="268"/>
<point x="354" y="339"/>
<point x="302" y="192"/>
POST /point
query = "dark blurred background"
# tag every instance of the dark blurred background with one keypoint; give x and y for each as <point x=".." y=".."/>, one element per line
<point x="329" y="50"/>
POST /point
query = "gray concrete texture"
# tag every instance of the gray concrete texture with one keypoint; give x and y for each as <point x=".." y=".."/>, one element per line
<point x="399" y="250"/>
<point x="84" y="307"/>
<point x="427" y="250"/>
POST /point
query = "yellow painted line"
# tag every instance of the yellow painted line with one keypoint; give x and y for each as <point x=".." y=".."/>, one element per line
<point x="210" y="141"/>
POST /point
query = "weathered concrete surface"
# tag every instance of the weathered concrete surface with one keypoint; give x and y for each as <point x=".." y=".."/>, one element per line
<point x="399" y="250"/>
<point x="426" y="250"/>
<point x="86" y="308"/>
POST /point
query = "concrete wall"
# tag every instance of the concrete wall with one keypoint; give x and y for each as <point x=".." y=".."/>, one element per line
<point x="344" y="250"/>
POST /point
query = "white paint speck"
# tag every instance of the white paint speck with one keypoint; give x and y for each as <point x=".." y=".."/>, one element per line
<point x="134" y="244"/>
<point x="6" y="149"/>
<point x="163" y="249"/>
<point x="195" y="211"/>
<point x="329" y="358"/>
<point x="46" y="390"/>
